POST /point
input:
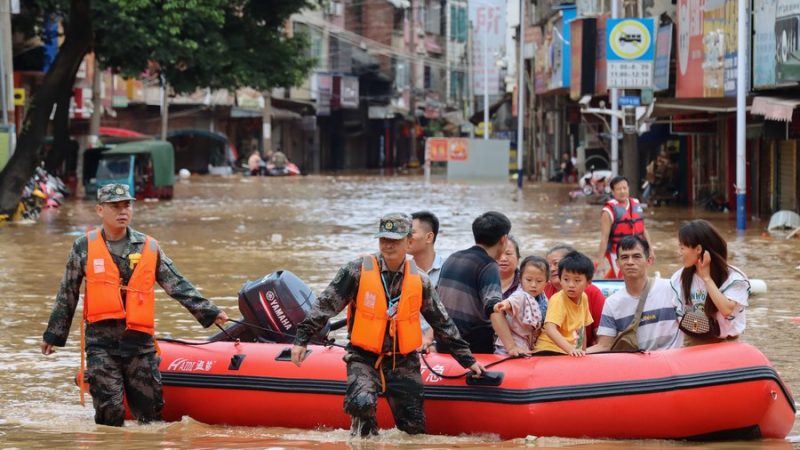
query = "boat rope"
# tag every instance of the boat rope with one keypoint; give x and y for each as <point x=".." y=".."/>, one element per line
<point x="325" y="343"/>
<point x="453" y="377"/>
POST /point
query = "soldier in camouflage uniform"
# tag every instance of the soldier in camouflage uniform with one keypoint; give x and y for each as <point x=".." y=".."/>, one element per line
<point x="119" y="360"/>
<point x="401" y="373"/>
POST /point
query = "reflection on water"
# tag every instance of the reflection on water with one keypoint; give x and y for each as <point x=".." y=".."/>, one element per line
<point x="222" y="232"/>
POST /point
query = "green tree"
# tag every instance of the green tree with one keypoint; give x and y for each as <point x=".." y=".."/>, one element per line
<point x="192" y="43"/>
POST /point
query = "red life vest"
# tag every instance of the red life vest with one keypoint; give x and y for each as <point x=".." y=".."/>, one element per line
<point x="627" y="221"/>
<point x="103" y="298"/>
<point x="370" y="315"/>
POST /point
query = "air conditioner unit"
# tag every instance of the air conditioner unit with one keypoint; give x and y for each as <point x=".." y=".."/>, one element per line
<point x="334" y="8"/>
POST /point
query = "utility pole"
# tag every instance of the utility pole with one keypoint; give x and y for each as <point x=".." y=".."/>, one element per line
<point x="97" y="103"/>
<point x="6" y="68"/>
<point x="485" y="88"/>
<point x="521" y="93"/>
<point x="470" y="78"/>
<point x="614" y="107"/>
<point x="741" y="94"/>
<point x="413" y="161"/>
<point x="266" y="121"/>
<point x="164" y="107"/>
<point x="630" y="141"/>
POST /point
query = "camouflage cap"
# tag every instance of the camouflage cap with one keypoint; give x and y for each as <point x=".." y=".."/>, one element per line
<point x="114" y="193"/>
<point x="394" y="226"/>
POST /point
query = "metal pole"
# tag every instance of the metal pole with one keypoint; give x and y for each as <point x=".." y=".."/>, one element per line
<point x="485" y="87"/>
<point x="164" y="107"/>
<point x="6" y="84"/>
<point x="413" y="161"/>
<point x="471" y="75"/>
<point x="741" y="85"/>
<point x="521" y="92"/>
<point x="3" y="94"/>
<point x="614" y="107"/>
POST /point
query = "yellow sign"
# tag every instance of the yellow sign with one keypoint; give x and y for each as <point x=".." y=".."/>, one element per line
<point x="479" y="129"/>
<point x="19" y="97"/>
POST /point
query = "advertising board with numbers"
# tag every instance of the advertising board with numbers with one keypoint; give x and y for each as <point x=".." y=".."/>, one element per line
<point x="630" y="53"/>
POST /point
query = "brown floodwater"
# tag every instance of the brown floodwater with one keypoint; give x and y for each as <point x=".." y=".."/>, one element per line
<point x="222" y="232"/>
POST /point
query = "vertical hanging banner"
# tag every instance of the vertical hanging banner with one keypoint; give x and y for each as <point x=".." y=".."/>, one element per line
<point x="600" y="85"/>
<point x="560" y="48"/>
<point x="663" y="53"/>
<point x="689" y="72"/>
<point x="582" y="56"/>
<point x="764" y="43"/>
<point x="732" y="46"/>
<point x="488" y="19"/>
<point x="787" y="47"/>
<point x="630" y="51"/>
<point x="714" y="41"/>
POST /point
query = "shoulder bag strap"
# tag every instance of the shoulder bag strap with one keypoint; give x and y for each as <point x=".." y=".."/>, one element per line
<point x="640" y="307"/>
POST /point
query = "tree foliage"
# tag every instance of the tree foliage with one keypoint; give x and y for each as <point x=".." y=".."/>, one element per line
<point x="192" y="43"/>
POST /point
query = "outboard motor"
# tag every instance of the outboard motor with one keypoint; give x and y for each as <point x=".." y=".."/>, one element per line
<point x="277" y="302"/>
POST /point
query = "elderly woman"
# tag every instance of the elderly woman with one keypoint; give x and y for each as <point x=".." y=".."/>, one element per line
<point x="508" y="263"/>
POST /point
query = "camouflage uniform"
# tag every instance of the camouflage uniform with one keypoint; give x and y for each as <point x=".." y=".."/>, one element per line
<point x="404" y="387"/>
<point x="119" y="360"/>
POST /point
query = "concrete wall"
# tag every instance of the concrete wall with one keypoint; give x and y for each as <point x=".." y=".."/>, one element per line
<point x="487" y="161"/>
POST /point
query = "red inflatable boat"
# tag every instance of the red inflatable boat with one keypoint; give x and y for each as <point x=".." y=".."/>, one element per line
<point x="722" y="391"/>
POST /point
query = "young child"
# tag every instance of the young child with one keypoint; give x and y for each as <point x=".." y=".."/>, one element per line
<point x="568" y="310"/>
<point x="524" y="309"/>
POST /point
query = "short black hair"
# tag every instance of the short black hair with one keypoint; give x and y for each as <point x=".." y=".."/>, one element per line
<point x="490" y="227"/>
<point x="429" y="218"/>
<point x="618" y="179"/>
<point x="576" y="262"/>
<point x="631" y="241"/>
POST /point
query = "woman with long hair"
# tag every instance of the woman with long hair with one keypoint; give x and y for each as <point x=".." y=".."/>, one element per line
<point x="711" y="295"/>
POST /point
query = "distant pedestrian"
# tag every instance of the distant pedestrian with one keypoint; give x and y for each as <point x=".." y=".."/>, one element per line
<point x="385" y="294"/>
<point x="121" y="266"/>
<point x="621" y="216"/>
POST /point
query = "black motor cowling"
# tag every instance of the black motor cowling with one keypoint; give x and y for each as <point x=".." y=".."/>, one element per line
<point x="276" y="303"/>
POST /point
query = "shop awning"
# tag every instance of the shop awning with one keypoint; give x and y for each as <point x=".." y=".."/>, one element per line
<point x="667" y="107"/>
<point x="774" y="108"/>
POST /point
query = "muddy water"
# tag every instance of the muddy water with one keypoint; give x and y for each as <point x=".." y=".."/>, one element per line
<point x="222" y="232"/>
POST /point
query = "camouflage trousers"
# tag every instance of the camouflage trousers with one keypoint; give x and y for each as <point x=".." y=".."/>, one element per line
<point x="404" y="391"/>
<point x="114" y="379"/>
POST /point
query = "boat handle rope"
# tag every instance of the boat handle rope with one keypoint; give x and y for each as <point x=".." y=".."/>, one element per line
<point x="325" y="343"/>
<point x="453" y="377"/>
<point x="331" y="343"/>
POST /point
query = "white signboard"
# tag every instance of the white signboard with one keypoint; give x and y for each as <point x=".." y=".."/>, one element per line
<point x="488" y="18"/>
<point x="630" y="51"/>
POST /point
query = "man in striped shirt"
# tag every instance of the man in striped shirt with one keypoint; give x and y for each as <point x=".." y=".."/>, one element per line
<point x="658" y="327"/>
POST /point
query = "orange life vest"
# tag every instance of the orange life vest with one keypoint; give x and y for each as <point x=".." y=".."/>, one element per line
<point x="627" y="221"/>
<point x="370" y="315"/>
<point x="103" y="298"/>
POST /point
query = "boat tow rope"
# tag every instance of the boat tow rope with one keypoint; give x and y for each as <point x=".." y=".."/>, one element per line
<point x="453" y="377"/>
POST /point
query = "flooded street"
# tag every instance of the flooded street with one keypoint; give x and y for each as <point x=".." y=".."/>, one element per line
<point x="222" y="232"/>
